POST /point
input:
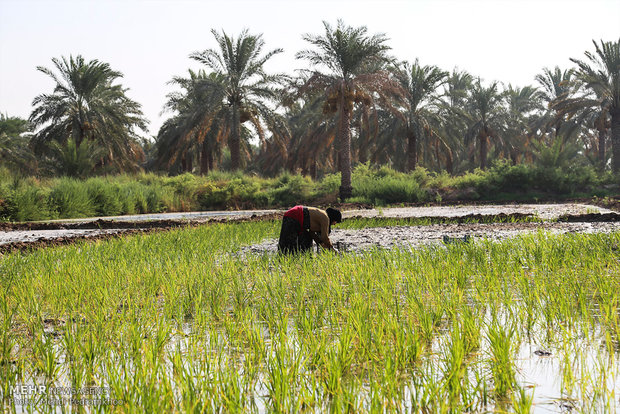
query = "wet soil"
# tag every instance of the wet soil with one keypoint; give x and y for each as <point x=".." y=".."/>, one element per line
<point x="440" y="234"/>
<point x="451" y="222"/>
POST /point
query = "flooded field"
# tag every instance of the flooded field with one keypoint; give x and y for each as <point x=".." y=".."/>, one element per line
<point x="425" y="311"/>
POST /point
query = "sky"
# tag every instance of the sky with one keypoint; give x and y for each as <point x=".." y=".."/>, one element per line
<point x="150" y="41"/>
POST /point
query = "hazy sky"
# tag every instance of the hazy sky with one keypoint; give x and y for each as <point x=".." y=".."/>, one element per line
<point x="149" y="41"/>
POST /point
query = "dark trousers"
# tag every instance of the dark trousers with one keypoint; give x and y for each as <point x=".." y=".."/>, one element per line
<point x="293" y="238"/>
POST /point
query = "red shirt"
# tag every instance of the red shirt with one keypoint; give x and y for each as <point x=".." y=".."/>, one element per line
<point x="296" y="213"/>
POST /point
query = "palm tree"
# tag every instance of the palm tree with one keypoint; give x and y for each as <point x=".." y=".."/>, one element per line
<point x="14" y="150"/>
<point x="454" y="123"/>
<point x="590" y="111"/>
<point x="421" y="113"/>
<point x="522" y="105"/>
<point x="198" y="128"/>
<point x="246" y="88"/>
<point x="601" y="75"/>
<point x="86" y="105"/>
<point x="355" y="75"/>
<point x="556" y="85"/>
<point x="71" y="160"/>
<point x="484" y="113"/>
<point x="312" y="135"/>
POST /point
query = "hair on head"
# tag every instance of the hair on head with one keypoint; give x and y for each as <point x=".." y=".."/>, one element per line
<point x="334" y="215"/>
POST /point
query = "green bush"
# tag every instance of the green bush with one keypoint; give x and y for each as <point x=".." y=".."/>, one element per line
<point x="385" y="186"/>
<point x="24" y="199"/>
<point x="210" y="196"/>
<point x="290" y="190"/>
<point x="69" y="198"/>
<point x="505" y="177"/>
<point x="388" y="190"/>
<point x="105" y="197"/>
<point x="30" y="203"/>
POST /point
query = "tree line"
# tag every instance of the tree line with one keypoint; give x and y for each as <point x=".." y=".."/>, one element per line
<point x="355" y="104"/>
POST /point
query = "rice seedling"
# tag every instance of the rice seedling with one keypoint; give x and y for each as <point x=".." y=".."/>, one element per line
<point x="501" y="361"/>
<point x="178" y="321"/>
<point x="522" y="402"/>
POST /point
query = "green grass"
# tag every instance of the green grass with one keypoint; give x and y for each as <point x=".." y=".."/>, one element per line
<point x="177" y="321"/>
<point x="27" y="199"/>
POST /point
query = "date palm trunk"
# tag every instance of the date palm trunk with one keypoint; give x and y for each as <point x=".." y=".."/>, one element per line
<point x="615" y="140"/>
<point x="483" y="149"/>
<point x="412" y="150"/>
<point x="205" y="164"/>
<point x="234" y="142"/>
<point x="450" y="163"/>
<point x="186" y="163"/>
<point x="602" y="135"/>
<point x="344" y="151"/>
<point x="313" y="172"/>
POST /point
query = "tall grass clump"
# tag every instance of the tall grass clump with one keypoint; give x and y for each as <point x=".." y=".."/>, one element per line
<point x="105" y="196"/>
<point x="69" y="198"/>
<point x="24" y="199"/>
<point x="385" y="186"/>
<point x="525" y="181"/>
<point x="289" y="190"/>
<point x="25" y="202"/>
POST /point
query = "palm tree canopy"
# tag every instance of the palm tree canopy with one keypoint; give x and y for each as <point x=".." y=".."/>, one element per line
<point x="602" y="73"/>
<point x="85" y="104"/>
<point x="198" y="119"/>
<point x="241" y="63"/>
<point x="484" y="106"/>
<point x="14" y="149"/>
<point x="346" y="51"/>
<point x="421" y="83"/>
<point x="556" y="84"/>
<point x="355" y="63"/>
<point x="246" y="88"/>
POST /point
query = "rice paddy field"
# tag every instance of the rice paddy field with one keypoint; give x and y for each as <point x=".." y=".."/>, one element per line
<point x="181" y="321"/>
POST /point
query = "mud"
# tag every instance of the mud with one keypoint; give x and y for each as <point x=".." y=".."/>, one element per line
<point x="37" y="242"/>
<point x="440" y="235"/>
<point x="542" y="211"/>
<point x="452" y="222"/>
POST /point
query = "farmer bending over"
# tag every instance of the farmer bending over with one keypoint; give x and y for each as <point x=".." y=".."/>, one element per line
<point x="301" y="225"/>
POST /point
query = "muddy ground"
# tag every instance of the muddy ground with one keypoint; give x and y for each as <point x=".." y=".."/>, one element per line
<point x="557" y="218"/>
<point x="440" y="234"/>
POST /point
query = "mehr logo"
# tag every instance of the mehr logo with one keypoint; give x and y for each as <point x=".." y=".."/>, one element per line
<point x="29" y="389"/>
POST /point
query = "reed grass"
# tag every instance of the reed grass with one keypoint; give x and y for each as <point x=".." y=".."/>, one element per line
<point x="35" y="198"/>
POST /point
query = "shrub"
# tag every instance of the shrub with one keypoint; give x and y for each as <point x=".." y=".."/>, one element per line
<point x="69" y="198"/>
<point x="105" y="197"/>
<point x="385" y="186"/>
<point x="290" y="190"/>
<point x="24" y="199"/>
<point x="212" y="195"/>
<point x="29" y="203"/>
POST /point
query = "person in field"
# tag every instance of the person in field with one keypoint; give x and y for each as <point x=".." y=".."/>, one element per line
<point x="301" y="225"/>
